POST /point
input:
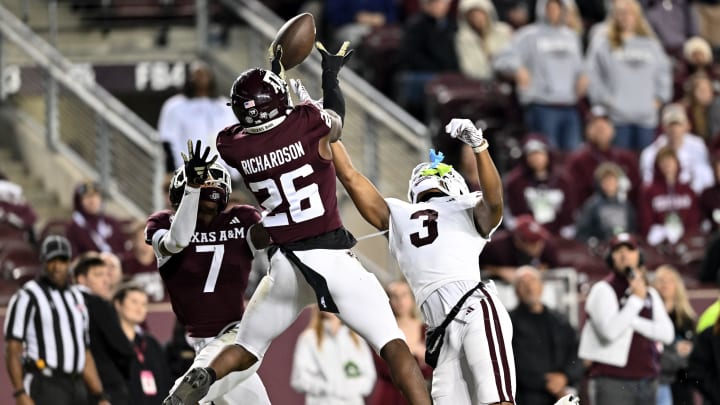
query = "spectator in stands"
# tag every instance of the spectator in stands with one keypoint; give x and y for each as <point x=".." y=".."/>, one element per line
<point x="607" y="212"/>
<point x="528" y="244"/>
<point x="669" y="210"/>
<point x="582" y="163"/>
<point x="536" y="187"/>
<point x="479" y="37"/>
<point x="332" y="364"/>
<point x="198" y="112"/>
<point x="626" y="319"/>
<point x="115" y="272"/>
<point x="690" y="150"/>
<point x="629" y="75"/>
<point x="703" y="107"/>
<point x="704" y="363"/>
<point x="544" y="343"/>
<point x="45" y="365"/>
<point x="91" y="229"/>
<point x="408" y="318"/>
<point x="517" y="13"/>
<point x="572" y="15"/>
<point x="674" y="21"/>
<point x="545" y="60"/>
<point x="427" y="48"/>
<point x="149" y="373"/>
<point x="140" y="265"/>
<point x="674" y="387"/>
<point x="112" y="352"/>
<point x="697" y="57"/>
<point x="351" y="20"/>
<point x="15" y="212"/>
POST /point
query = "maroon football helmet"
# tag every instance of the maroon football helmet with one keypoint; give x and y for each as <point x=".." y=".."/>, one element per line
<point x="260" y="100"/>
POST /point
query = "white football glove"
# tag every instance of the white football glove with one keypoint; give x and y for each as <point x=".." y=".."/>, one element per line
<point x="301" y="92"/>
<point x="464" y="130"/>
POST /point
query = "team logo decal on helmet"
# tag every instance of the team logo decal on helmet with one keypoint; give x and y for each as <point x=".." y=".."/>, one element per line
<point x="435" y="174"/>
<point x="260" y="100"/>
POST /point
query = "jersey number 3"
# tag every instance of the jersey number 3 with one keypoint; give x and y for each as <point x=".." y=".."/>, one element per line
<point x="430" y="229"/>
<point x="297" y="211"/>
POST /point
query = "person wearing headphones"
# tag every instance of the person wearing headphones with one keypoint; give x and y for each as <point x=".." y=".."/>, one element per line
<point x="626" y="318"/>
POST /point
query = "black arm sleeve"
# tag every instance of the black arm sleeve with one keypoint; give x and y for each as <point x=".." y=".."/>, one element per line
<point x="333" y="98"/>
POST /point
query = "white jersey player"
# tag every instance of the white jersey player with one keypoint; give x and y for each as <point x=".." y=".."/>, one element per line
<point x="437" y="238"/>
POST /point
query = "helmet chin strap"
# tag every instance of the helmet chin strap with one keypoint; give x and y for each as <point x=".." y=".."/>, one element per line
<point x="428" y="194"/>
<point x="266" y="126"/>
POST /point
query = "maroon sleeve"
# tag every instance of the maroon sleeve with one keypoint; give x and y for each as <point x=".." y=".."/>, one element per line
<point x="224" y="143"/>
<point x="247" y="214"/>
<point x="314" y="120"/>
<point x="157" y="221"/>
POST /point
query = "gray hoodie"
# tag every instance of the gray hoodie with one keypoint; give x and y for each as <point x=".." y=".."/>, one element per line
<point x="553" y="57"/>
<point x="475" y="52"/>
<point x="628" y="80"/>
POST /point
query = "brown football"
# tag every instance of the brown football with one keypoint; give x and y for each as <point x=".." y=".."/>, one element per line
<point x="297" y="37"/>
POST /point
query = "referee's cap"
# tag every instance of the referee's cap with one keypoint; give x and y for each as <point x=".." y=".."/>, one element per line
<point x="55" y="246"/>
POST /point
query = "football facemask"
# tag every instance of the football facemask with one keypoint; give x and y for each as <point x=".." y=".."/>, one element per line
<point x="428" y="176"/>
<point x="217" y="188"/>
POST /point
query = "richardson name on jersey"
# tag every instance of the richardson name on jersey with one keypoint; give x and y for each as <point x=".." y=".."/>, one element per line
<point x="218" y="236"/>
<point x="273" y="159"/>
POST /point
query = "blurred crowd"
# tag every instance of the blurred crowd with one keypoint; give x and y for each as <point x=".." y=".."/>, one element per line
<point x="604" y="116"/>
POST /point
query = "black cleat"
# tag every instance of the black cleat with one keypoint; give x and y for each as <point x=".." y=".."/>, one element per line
<point x="192" y="389"/>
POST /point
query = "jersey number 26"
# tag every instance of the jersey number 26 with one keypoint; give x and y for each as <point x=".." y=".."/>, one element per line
<point x="294" y="196"/>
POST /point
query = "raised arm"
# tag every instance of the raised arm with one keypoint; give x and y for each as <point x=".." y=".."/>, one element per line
<point x="365" y="196"/>
<point x="333" y="99"/>
<point x="489" y="209"/>
<point x="183" y="226"/>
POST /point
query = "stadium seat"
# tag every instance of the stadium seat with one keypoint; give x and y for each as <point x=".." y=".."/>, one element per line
<point x="53" y="227"/>
<point x="379" y="55"/>
<point x="20" y="256"/>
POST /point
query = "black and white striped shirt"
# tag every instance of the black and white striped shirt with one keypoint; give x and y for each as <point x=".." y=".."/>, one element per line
<point x="52" y="324"/>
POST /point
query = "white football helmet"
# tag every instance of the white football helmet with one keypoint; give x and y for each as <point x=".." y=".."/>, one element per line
<point x="443" y="177"/>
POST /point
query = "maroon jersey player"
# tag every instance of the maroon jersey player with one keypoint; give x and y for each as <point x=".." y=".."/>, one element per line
<point x="205" y="253"/>
<point x="284" y="156"/>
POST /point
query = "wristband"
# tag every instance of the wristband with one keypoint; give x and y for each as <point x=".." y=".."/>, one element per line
<point x="100" y="396"/>
<point x="19" y="392"/>
<point x="483" y="145"/>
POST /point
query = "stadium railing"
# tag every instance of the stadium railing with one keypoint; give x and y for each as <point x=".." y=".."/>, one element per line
<point x="81" y="120"/>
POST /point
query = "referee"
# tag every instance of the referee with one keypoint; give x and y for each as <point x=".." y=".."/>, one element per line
<point x="46" y="334"/>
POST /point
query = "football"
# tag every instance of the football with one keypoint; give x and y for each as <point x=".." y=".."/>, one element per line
<point x="297" y="38"/>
